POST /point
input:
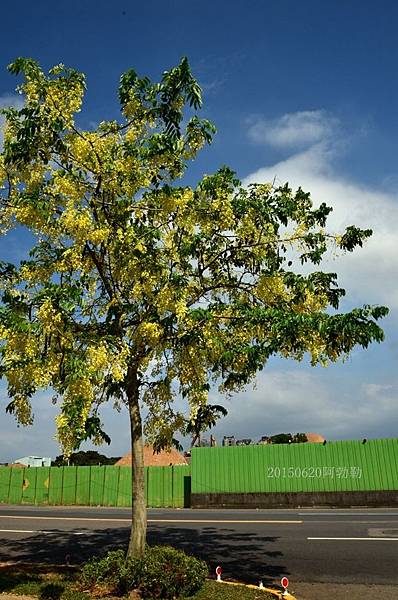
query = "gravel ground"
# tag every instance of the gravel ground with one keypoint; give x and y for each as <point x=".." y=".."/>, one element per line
<point x="343" y="591"/>
<point x="12" y="597"/>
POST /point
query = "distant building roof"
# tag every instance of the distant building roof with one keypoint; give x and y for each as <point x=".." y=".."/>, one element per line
<point x="151" y="459"/>
<point x="315" y="438"/>
<point x="34" y="461"/>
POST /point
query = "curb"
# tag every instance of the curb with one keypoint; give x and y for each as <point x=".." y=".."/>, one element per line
<point x="277" y="593"/>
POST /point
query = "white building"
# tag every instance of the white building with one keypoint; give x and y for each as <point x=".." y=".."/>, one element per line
<point x="34" y="461"/>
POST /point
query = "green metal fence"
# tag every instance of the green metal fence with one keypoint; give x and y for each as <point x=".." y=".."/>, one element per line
<point x="333" y="467"/>
<point x="93" y="486"/>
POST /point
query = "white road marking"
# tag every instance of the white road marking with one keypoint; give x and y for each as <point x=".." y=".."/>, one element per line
<point x="349" y="514"/>
<point x="280" y="522"/>
<point x="63" y="518"/>
<point x="40" y="531"/>
<point x="368" y="539"/>
<point x="289" y="522"/>
<point x="352" y="522"/>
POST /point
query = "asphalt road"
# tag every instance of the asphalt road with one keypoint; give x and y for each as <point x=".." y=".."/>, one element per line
<point x="330" y="546"/>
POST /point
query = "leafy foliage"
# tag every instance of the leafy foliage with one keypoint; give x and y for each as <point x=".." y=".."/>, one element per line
<point x="163" y="572"/>
<point x="85" y="458"/>
<point x="206" y="418"/>
<point x="137" y="288"/>
<point x="288" y="438"/>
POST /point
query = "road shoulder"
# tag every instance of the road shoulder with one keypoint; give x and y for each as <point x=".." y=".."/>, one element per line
<point x="342" y="591"/>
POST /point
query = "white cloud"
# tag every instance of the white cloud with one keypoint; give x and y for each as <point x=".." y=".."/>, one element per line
<point x="299" y="400"/>
<point x="370" y="274"/>
<point x="294" y="130"/>
<point x="345" y="401"/>
<point x="374" y="390"/>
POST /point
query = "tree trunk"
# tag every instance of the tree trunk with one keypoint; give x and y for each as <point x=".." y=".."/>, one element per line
<point x="139" y="514"/>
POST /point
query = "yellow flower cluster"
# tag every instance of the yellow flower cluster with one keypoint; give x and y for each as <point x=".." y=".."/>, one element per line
<point x="312" y="303"/>
<point x="23" y="409"/>
<point x="31" y="91"/>
<point x="219" y="215"/>
<point x="263" y="189"/>
<point x="181" y="309"/>
<point x="120" y="363"/>
<point x="3" y="170"/>
<point x="248" y="228"/>
<point x="165" y="300"/>
<point x="132" y="107"/>
<point x="271" y="289"/>
<point x="97" y="358"/>
<point x="149" y="332"/>
<point x="35" y="273"/>
<point x="57" y="100"/>
<point x="76" y="223"/>
<point x="48" y="316"/>
<point x="34" y="175"/>
<point x="66" y="186"/>
<point x="91" y="150"/>
<point x="102" y="360"/>
<point x="27" y="215"/>
<point x="61" y="103"/>
<point x="66" y="435"/>
<point x="82" y="388"/>
<point x="20" y="345"/>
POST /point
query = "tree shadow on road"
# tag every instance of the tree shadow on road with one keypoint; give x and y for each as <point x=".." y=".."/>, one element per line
<point x="246" y="556"/>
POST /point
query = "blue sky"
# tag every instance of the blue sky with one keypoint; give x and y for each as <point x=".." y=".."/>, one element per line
<point x="302" y="91"/>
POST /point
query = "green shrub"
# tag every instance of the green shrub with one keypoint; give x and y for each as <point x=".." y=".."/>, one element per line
<point x="170" y="573"/>
<point x="106" y="570"/>
<point x="163" y="572"/>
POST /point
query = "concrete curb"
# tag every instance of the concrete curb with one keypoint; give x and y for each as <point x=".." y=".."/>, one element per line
<point x="277" y="593"/>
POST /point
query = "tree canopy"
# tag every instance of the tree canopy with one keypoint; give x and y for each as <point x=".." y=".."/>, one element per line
<point x="288" y="438"/>
<point x="84" y="458"/>
<point x="138" y="289"/>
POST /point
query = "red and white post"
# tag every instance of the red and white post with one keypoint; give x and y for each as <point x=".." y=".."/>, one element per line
<point x="285" y="585"/>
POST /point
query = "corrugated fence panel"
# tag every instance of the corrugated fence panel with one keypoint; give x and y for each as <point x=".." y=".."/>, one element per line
<point x="154" y="487"/>
<point x="160" y="487"/>
<point x="95" y="486"/>
<point x="29" y="485"/>
<point x="83" y="486"/>
<point x="55" y="486"/>
<point x="16" y="483"/>
<point x="69" y="485"/>
<point x="42" y="485"/>
<point x="5" y="476"/>
<point x="393" y="462"/>
<point x="97" y="483"/>
<point x="335" y="466"/>
<point x="124" y="488"/>
<point x="181" y="486"/>
<point x="111" y="486"/>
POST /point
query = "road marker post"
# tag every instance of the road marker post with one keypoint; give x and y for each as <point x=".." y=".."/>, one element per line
<point x="218" y="573"/>
<point x="285" y="585"/>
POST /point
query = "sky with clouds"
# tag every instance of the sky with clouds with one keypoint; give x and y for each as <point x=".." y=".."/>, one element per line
<point x="301" y="92"/>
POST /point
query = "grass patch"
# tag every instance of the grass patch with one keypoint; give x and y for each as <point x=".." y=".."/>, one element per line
<point x="212" y="590"/>
<point x="40" y="581"/>
<point x="57" y="583"/>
